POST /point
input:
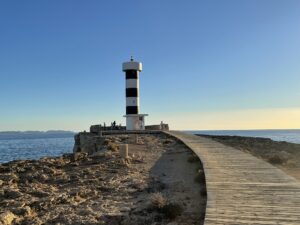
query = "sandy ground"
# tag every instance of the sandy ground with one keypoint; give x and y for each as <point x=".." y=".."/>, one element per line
<point x="282" y="154"/>
<point x="161" y="183"/>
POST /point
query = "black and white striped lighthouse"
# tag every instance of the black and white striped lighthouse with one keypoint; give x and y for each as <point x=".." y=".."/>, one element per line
<point x="134" y="120"/>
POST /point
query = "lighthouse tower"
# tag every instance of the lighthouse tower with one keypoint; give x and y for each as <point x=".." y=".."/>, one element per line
<point x="134" y="120"/>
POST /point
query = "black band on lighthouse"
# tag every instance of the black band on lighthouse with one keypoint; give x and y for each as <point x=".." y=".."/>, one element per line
<point x="132" y="110"/>
<point x="131" y="74"/>
<point x="131" y="92"/>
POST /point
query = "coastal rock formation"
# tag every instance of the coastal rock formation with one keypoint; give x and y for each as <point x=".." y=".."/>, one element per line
<point x="99" y="187"/>
<point x="88" y="142"/>
<point x="91" y="143"/>
<point x="7" y="218"/>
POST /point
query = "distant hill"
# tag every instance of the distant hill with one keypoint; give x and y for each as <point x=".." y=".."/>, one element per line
<point x="4" y="135"/>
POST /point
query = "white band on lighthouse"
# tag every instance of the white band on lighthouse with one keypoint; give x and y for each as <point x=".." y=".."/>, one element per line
<point x="132" y="101"/>
<point x="132" y="83"/>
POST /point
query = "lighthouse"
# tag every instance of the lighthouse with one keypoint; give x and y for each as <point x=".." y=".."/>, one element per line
<point x="134" y="120"/>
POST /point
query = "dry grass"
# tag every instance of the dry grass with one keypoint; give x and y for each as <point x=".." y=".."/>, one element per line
<point x="161" y="204"/>
<point x="158" y="201"/>
<point x="168" y="141"/>
<point x="113" y="147"/>
<point x="276" y="159"/>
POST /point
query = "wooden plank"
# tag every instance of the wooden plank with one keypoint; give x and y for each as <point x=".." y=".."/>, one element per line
<point x="242" y="189"/>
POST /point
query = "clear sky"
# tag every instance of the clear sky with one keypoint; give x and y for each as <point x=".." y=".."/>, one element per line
<point x="207" y="64"/>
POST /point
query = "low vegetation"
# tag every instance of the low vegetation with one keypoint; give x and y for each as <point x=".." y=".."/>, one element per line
<point x="200" y="177"/>
<point x="158" y="201"/>
<point x="112" y="146"/>
<point x="162" y="205"/>
<point x="193" y="158"/>
<point x="277" y="159"/>
<point x="172" y="210"/>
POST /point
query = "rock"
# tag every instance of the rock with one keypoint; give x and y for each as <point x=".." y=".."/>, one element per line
<point x="67" y="156"/>
<point x="28" y="211"/>
<point x="12" y="194"/>
<point x="32" y="221"/>
<point x="113" y="147"/>
<point x="98" y="154"/>
<point x="43" y="177"/>
<point x="79" y="156"/>
<point x="124" y="209"/>
<point x="38" y="206"/>
<point x="4" y="169"/>
<point x="85" y="142"/>
<point x="25" y="211"/>
<point x="12" y="178"/>
<point x="39" y="194"/>
<point x="7" y="218"/>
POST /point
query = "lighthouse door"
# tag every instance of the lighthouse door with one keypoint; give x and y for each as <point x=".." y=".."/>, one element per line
<point x="141" y="123"/>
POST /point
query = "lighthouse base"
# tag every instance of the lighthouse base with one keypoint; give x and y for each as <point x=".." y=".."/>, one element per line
<point x="135" y="121"/>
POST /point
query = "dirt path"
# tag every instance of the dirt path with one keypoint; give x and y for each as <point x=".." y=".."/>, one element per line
<point x="183" y="185"/>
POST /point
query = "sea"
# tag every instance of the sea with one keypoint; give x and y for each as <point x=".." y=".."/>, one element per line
<point x="35" y="146"/>
<point x="292" y="136"/>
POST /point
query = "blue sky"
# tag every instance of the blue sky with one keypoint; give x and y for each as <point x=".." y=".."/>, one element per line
<point x="207" y="64"/>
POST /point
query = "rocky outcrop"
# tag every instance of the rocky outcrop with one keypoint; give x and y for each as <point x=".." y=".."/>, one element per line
<point x="100" y="187"/>
<point x="7" y="218"/>
<point x="91" y="143"/>
<point x="88" y="142"/>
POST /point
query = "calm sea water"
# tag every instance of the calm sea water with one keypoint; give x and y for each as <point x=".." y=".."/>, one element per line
<point x="34" y="148"/>
<point x="276" y="135"/>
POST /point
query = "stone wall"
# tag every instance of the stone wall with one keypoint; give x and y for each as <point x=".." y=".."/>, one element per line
<point x="87" y="142"/>
<point x="93" y="141"/>
<point x="157" y="127"/>
<point x="96" y="129"/>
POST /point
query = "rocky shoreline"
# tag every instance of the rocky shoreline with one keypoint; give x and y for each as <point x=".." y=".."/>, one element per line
<point x="161" y="182"/>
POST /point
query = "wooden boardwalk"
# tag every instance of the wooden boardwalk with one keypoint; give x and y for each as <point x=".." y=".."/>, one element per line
<point x="242" y="189"/>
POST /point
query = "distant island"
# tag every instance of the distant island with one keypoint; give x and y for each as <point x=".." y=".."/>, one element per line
<point x="4" y="135"/>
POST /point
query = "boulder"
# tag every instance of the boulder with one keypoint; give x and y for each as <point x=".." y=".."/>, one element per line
<point x="7" y="218"/>
<point x="79" y="156"/>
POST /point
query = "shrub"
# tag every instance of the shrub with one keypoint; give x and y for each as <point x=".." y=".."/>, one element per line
<point x="112" y="146"/>
<point x="158" y="201"/>
<point x="276" y="159"/>
<point x="172" y="210"/>
<point x="193" y="158"/>
<point x="168" y="141"/>
<point x="200" y="177"/>
<point x="198" y="168"/>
